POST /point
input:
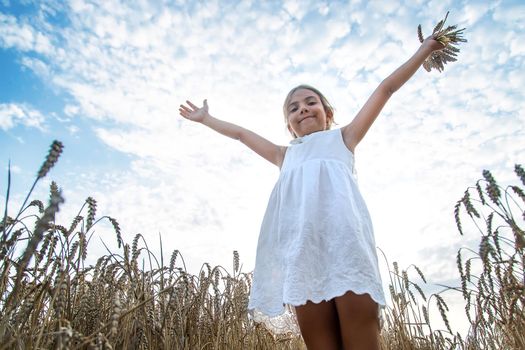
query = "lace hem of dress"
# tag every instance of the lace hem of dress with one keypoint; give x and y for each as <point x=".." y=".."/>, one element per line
<point x="284" y="323"/>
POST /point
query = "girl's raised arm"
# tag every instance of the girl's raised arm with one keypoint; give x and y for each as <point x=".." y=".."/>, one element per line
<point x="266" y="149"/>
<point x="354" y="132"/>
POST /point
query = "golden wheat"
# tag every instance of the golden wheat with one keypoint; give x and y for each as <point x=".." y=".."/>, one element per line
<point x="130" y="300"/>
<point x="450" y="37"/>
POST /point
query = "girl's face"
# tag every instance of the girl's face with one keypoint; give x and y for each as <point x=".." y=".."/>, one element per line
<point x="305" y="113"/>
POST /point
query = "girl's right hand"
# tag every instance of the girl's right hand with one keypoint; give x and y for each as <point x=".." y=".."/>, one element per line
<point x="193" y="112"/>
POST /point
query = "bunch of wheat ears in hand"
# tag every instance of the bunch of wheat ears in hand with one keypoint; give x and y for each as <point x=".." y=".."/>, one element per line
<point x="450" y="37"/>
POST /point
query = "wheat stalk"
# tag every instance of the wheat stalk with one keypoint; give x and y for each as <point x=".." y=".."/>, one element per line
<point x="55" y="302"/>
<point x="450" y="37"/>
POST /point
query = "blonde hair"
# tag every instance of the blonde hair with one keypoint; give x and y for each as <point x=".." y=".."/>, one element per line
<point x="328" y="109"/>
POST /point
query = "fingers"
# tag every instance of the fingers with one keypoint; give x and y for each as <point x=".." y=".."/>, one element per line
<point x="184" y="111"/>
<point x="192" y="105"/>
<point x="187" y="111"/>
<point x="184" y="108"/>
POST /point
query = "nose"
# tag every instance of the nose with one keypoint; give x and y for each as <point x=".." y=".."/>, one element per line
<point x="304" y="109"/>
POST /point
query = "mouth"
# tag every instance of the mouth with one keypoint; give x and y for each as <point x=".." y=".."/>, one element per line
<point x="309" y="116"/>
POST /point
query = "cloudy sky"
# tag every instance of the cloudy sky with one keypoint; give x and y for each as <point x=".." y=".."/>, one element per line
<point x="106" y="78"/>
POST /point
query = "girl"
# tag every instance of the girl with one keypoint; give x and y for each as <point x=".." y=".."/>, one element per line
<point x="316" y="248"/>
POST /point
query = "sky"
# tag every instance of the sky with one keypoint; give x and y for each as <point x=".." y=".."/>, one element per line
<point x="107" y="77"/>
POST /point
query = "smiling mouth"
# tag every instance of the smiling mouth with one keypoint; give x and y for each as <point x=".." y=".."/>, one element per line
<point x="310" y="116"/>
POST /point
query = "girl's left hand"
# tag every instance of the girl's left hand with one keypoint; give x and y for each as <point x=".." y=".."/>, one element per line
<point x="432" y="44"/>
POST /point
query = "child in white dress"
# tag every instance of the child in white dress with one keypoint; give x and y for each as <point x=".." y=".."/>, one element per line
<point x="316" y="249"/>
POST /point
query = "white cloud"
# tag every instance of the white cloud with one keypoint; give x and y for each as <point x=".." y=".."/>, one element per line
<point x="73" y="129"/>
<point x="13" y="35"/>
<point x="15" y="169"/>
<point x="473" y="12"/>
<point x="12" y="114"/>
<point x="296" y="9"/>
<point x="71" y="110"/>
<point x="22" y="36"/>
<point x="38" y="66"/>
<point x="382" y="8"/>
<point x="323" y="9"/>
<point x="512" y="15"/>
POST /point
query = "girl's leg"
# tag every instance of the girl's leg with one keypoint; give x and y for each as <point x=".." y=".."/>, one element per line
<point x="359" y="321"/>
<point x="319" y="325"/>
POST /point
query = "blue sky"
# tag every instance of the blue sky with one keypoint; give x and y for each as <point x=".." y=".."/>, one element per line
<point x="106" y="78"/>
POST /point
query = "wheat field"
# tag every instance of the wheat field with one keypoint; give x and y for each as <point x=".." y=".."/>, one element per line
<point x="132" y="299"/>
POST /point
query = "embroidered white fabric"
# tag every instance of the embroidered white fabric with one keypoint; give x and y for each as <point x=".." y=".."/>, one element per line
<point x="285" y="323"/>
<point x="316" y="240"/>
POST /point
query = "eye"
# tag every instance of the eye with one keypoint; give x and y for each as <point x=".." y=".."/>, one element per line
<point x="311" y="103"/>
<point x="293" y="109"/>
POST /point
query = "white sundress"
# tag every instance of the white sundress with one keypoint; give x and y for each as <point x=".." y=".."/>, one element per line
<point x="316" y="240"/>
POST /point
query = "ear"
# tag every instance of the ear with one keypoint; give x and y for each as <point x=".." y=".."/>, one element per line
<point x="329" y="118"/>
